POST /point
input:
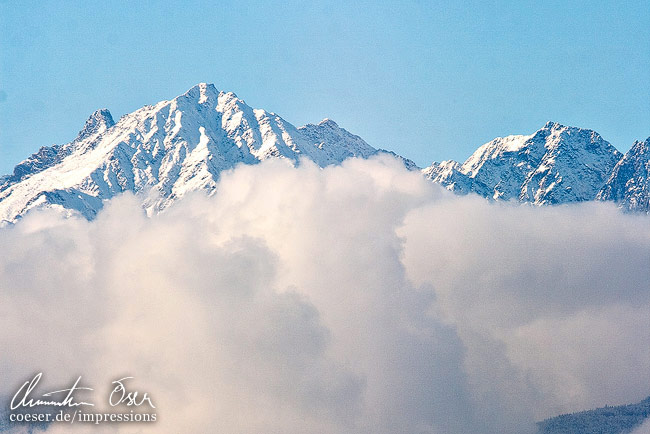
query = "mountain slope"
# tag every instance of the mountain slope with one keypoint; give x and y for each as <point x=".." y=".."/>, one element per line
<point x="607" y="420"/>
<point x="168" y="149"/>
<point x="629" y="183"/>
<point x="96" y="124"/>
<point x="556" y="164"/>
<point x="449" y="174"/>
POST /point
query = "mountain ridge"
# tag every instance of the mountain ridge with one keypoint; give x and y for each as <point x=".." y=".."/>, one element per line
<point x="183" y="144"/>
<point x="556" y="164"/>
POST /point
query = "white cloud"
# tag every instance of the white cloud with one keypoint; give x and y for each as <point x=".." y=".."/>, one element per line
<point x="354" y="299"/>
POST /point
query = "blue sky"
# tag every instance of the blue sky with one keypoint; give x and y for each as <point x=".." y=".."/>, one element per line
<point x="430" y="80"/>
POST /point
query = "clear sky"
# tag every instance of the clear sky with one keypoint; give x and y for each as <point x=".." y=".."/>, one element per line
<point x="431" y="80"/>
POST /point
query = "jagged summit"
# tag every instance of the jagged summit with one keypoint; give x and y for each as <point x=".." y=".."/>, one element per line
<point x="205" y="87"/>
<point x="328" y="122"/>
<point x="98" y="122"/>
<point x="556" y="164"/>
<point x="172" y="147"/>
<point x="551" y="124"/>
<point x="203" y="92"/>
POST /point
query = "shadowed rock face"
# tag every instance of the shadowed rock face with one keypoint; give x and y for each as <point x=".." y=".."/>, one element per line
<point x="629" y="184"/>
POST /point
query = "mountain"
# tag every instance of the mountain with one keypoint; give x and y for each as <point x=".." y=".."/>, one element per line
<point x="556" y="164"/>
<point x="629" y="183"/>
<point x="167" y="150"/>
<point x="622" y="419"/>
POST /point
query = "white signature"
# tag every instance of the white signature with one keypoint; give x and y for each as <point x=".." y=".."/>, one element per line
<point x="22" y="398"/>
<point x="119" y="395"/>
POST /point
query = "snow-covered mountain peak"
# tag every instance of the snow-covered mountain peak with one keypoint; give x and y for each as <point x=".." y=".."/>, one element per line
<point x="551" y="125"/>
<point x="556" y="164"/>
<point x="97" y="123"/>
<point x="171" y="147"/>
<point x="180" y="145"/>
<point x="202" y="88"/>
<point x="329" y="123"/>
<point x="570" y="136"/>
<point x="201" y="93"/>
<point x="550" y="136"/>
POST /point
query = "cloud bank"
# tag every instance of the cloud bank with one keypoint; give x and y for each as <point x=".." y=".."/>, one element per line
<point x="353" y="299"/>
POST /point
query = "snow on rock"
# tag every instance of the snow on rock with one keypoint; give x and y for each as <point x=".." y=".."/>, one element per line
<point x="629" y="183"/>
<point x="556" y="164"/>
<point x="450" y="175"/>
<point x="165" y="151"/>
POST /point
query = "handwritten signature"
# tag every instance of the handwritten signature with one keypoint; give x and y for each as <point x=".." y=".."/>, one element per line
<point x="128" y="398"/>
<point x="119" y="395"/>
<point x="22" y="398"/>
